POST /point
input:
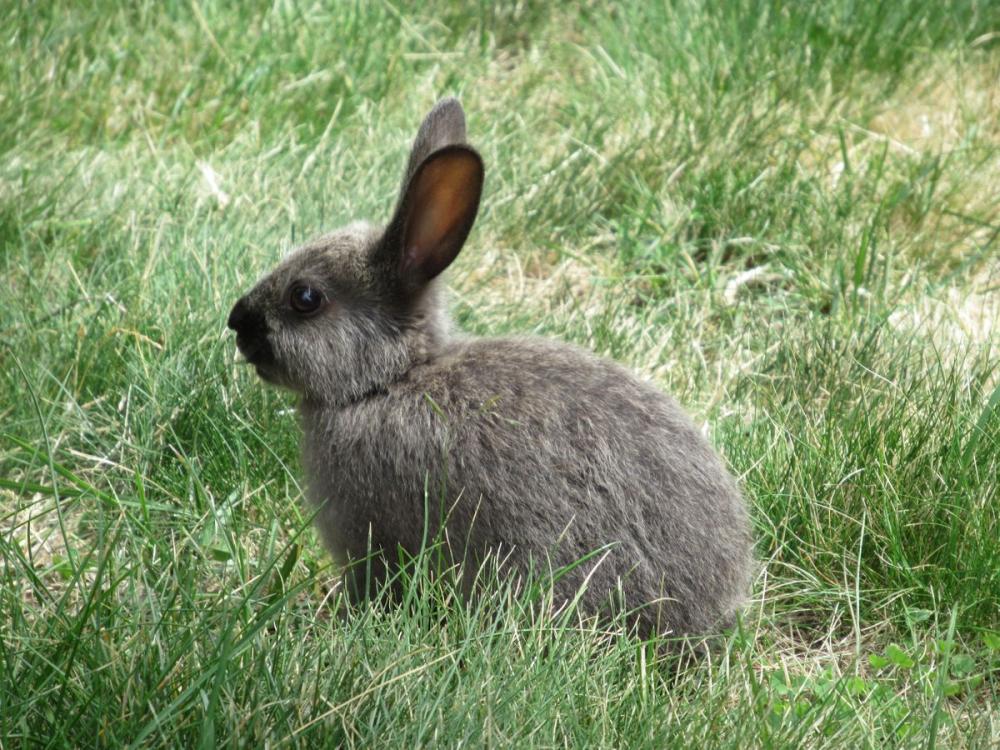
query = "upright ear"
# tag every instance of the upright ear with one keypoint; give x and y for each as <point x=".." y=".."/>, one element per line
<point x="436" y="212"/>
<point x="438" y="202"/>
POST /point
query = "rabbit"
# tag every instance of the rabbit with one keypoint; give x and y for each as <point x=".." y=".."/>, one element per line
<point x="532" y="450"/>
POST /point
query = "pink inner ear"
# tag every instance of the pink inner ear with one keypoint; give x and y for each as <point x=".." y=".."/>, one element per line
<point x="443" y="200"/>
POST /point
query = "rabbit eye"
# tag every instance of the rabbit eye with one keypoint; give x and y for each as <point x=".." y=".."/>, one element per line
<point x="305" y="299"/>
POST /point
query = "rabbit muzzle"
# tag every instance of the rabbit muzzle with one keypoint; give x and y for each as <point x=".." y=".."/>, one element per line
<point x="251" y="334"/>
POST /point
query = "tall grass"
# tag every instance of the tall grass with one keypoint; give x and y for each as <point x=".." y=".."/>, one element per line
<point x="786" y="214"/>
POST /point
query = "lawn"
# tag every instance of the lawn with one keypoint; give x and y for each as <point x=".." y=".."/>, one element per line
<point x="785" y="214"/>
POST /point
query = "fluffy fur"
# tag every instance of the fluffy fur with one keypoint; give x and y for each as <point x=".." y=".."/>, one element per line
<point x="530" y="449"/>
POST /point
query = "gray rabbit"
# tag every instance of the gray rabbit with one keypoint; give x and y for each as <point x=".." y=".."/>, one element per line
<point x="527" y="450"/>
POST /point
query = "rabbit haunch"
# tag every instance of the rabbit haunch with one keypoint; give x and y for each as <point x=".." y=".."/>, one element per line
<point x="530" y="450"/>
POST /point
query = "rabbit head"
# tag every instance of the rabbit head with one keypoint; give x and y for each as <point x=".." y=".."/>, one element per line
<point x="345" y="314"/>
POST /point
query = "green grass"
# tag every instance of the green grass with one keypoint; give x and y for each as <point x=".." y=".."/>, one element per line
<point x="786" y="214"/>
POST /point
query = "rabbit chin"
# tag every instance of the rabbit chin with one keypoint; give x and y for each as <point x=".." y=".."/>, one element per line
<point x="273" y="374"/>
<point x="268" y="374"/>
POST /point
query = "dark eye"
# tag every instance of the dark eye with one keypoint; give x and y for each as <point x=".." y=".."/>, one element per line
<point x="305" y="299"/>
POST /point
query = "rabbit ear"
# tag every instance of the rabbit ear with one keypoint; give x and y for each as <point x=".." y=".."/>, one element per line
<point x="443" y="126"/>
<point x="438" y="201"/>
<point x="435" y="214"/>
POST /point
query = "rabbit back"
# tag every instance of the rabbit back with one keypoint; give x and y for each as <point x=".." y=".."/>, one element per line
<point x="541" y="453"/>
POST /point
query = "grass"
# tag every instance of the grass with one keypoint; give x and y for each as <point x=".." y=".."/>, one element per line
<point x="786" y="214"/>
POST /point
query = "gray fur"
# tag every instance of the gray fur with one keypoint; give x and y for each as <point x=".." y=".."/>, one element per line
<point x="443" y="126"/>
<point x="538" y="451"/>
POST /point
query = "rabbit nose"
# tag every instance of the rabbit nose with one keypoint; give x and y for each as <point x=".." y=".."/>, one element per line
<point x="251" y="332"/>
<point x="241" y="315"/>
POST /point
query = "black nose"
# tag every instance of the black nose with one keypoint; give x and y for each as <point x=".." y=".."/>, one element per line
<point x="243" y="318"/>
<point x="251" y="332"/>
<point x="248" y="323"/>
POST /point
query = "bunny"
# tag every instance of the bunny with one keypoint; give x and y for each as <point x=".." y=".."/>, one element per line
<point x="531" y="450"/>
